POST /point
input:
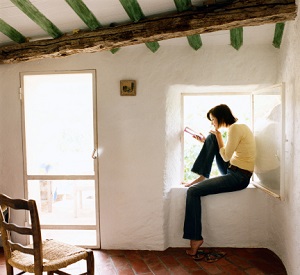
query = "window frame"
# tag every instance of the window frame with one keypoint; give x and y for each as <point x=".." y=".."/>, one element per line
<point x="251" y="94"/>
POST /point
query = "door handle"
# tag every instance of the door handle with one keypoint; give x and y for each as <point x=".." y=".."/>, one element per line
<point x="94" y="154"/>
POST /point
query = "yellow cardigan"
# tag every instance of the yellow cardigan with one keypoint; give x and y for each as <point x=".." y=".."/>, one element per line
<point x="240" y="147"/>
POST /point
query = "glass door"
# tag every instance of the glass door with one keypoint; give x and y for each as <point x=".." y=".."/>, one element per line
<point x="60" y="156"/>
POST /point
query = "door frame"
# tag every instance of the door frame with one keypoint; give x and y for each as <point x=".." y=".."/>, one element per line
<point x="94" y="154"/>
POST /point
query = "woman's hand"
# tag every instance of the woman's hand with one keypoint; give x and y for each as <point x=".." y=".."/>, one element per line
<point x="199" y="137"/>
<point x="218" y="136"/>
<point x="216" y="133"/>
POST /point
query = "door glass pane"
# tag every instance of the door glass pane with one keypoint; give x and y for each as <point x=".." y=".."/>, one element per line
<point x="76" y="237"/>
<point x="64" y="202"/>
<point x="58" y="111"/>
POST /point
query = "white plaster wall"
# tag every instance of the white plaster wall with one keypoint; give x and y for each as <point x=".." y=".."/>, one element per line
<point x="237" y="219"/>
<point x="285" y="219"/>
<point x="139" y="138"/>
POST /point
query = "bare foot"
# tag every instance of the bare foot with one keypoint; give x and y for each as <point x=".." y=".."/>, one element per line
<point x="195" y="244"/>
<point x="187" y="184"/>
<point x="201" y="178"/>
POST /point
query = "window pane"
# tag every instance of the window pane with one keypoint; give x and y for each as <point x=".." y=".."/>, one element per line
<point x="269" y="136"/>
<point x="195" y="110"/>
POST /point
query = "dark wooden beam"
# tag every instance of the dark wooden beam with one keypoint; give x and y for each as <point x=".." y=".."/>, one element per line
<point x="135" y="13"/>
<point x="236" y="37"/>
<point x="86" y="16"/>
<point x="204" y="20"/>
<point x="34" y="14"/>
<point x="279" y="28"/>
<point x="194" y="40"/>
<point x="11" y="32"/>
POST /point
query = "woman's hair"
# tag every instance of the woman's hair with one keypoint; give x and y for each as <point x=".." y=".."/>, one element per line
<point x="223" y="114"/>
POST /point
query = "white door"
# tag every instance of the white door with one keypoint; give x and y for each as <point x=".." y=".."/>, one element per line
<point x="60" y="156"/>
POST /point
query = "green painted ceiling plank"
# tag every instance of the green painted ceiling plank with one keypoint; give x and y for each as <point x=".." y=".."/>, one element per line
<point x="84" y="13"/>
<point x="195" y="41"/>
<point x="12" y="33"/>
<point x="113" y="51"/>
<point x="279" y="28"/>
<point x="153" y="46"/>
<point x="34" y="14"/>
<point x="133" y="9"/>
<point x="135" y="13"/>
<point x="236" y="37"/>
<point x="183" y="5"/>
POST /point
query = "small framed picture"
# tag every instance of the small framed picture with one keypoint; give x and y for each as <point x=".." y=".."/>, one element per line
<point x="128" y="87"/>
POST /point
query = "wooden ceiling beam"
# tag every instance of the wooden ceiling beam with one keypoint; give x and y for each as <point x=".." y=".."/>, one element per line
<point x="194" y="40"/>
<point x="85" y="14"/>
<point x="204" y="20"/>
<point x="135" y="13"/>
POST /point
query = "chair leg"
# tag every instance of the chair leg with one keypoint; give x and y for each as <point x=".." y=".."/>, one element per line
<point x="90" y="265"/>
<point x="9" y="269"/>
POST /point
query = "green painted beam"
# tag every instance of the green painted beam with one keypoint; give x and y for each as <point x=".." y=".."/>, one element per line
<point x="279" y="28"/>
<point x="12" y="33"/>
<point x="183" y="5"/>
<point x="84" y="13"/>
<point x="236" y="37"/>
<point x="152" y="46"/>
<point x="34" y="14"/>
<point x="194" y="40"/>
<point x="133" y="9"/>
<point x="113" y="51"/>
<point x="135" y="13"/>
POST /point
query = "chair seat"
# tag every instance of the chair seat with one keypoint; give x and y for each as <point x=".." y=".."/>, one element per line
<point x="56" y="255"/>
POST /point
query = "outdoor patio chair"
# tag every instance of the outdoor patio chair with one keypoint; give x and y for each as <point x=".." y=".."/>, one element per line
<point x="41" y="256"/>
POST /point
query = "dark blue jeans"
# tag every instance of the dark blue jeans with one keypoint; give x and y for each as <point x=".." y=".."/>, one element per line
<point x="210" y="151"/>
<point x="230" y="181"/>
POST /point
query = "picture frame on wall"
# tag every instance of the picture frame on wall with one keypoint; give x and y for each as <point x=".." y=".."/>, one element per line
<point x="128" y="87"/>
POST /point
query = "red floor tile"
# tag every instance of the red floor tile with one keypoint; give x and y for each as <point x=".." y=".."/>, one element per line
<point x="174" y="261"/>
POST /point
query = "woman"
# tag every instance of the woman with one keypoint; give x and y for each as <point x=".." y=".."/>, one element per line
<point x="235" y="161"/>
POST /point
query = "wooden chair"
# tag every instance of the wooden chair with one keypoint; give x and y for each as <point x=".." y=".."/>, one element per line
<point x="41" y="256"/>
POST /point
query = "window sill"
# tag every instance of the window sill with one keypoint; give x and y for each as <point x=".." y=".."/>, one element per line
<point x="269" y="192"/>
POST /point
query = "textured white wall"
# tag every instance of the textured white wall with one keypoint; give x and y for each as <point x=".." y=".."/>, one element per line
<point x="285" y="219"/>
<point x="139" y="138"/>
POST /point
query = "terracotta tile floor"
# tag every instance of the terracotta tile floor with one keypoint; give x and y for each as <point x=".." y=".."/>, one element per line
<point x="251" y="261"/>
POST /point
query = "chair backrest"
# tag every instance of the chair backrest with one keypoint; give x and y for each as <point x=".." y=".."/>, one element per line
<point x="34" y="230"/>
